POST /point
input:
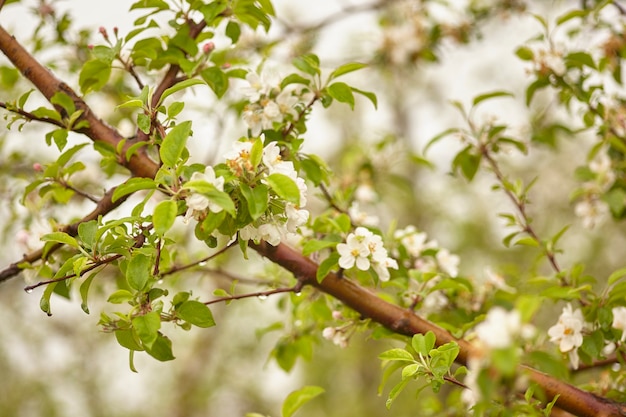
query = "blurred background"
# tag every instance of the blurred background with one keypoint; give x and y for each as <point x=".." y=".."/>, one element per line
<point x="64" y="365"/>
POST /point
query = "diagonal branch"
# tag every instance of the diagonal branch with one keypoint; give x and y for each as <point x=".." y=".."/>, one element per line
<point x="48" y="84"/>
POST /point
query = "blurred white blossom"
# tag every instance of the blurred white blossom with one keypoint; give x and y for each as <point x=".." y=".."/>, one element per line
<point x="619" y="320"/>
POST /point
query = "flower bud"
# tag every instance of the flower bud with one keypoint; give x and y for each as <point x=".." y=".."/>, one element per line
<point x="208" y="47"/>
<point x="103" y="32"/>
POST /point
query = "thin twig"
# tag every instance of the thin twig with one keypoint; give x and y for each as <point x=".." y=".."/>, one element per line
<point x="77" y="191"/>
<point x="520" y="206"/>
<point x="102" y="262"/>
<point x="196" y="263"/>
<point x="29" y="116"/>
<point x="294" y="289"/>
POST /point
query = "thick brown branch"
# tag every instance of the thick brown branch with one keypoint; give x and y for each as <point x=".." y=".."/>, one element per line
<point x="400" y="320"/>
<point x="48" y="84"/>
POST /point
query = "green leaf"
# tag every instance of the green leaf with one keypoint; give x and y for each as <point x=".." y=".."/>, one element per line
<point x="60" y="237"/>
<point x="308" y="63"/>
<point x="178" y="87"/>
<point x="346" y="68"/>
<point x="526" y="241"/>
<point x="617" y="275"/>
<point x="580" y="59"/>
<point x="233" y="31"/>
<point x="59" y="136"/>
<point x="64" y="101"/>
<point x="134" y="103"/>
<point x="571" y="15"/>
<point x="161" y="349"/>
<point x="525" y="53"/>
<point x="257" y="199"/>
<point x="132" y="185"/>
<point x="174" y="143"/>
<point x="147" y="327"/>
<point x="144" y="123"/>
<point x="367" y="94"/>
<point x="44" y="302"/>
<point x="195" y="313"/>
<point x="468" y="162"/>
<point x="164" y="215"/>
<point x="326" y="265"/>
<point x="284" y="187"/>
<point x="84" y="292"/>
<point x="423" y="343"/>
<point x="342" y="93"/>
<point x="396" y="354"/>
<point x="128" y="339"/>
<point x="216" y="79"/>
<point x="297" y="399"/>
<point x="94" y="75"/>
<point x="315" y="245"/>
<point x="120" y="296"/>
<point x="487" y="96"/>
<point x="138" y="271"/>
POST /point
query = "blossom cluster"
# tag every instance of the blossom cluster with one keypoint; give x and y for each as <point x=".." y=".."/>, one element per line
<point x="268" y="103"/>
<point x="365" y="250"/>
<point x="415" y="243"/>
<point x="197" y="203"/>
<point x="271" y="227"/>
<point x="283" y="217"/>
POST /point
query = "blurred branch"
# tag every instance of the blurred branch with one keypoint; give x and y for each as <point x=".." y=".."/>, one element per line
<point x="294" y="289"/>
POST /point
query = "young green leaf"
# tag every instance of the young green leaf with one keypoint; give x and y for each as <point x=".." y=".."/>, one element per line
<point x="195" y="313"/>
<point x="138" y="271"/>
<point x="174" y="144"/>
<point x="342" y="93"/>
<point x="131" y="185"/>
<point x="164" y="215"/>
<point x="284" y="187"/>
<point x="147" y="327"/>
<point x="298" y="398"/>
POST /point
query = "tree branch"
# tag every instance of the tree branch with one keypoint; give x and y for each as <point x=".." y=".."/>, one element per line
<point x="48" y="84"/>
<point x="402" y="321"/>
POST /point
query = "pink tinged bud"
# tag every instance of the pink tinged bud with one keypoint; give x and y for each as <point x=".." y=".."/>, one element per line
<point x="226" y="65"/>
<point x="115" y="30"/>
<point x="337" y="315"/>
<point x="208" y="47"/>
<point x="37" y="167"/>
<point x="103" y="32"/>
<point x="90" y="46"/>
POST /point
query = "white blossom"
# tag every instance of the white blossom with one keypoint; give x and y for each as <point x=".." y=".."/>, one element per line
<point x="355" y="251"/>
<point x="447" y="262"/>
<point x="413" y="241"/>
<point x="567" y="333"/>
<point x="619" y="320"/>
<point x="365" y="193"/>
<point x="365" y="249"/>
<point x="238" y="158"/>
<point x="197" y="204"/>
<point x="295" y="217"/>
<point x="592" y="211"/>
<point x="361" y="217"/>
<point x="501" y="327"/>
